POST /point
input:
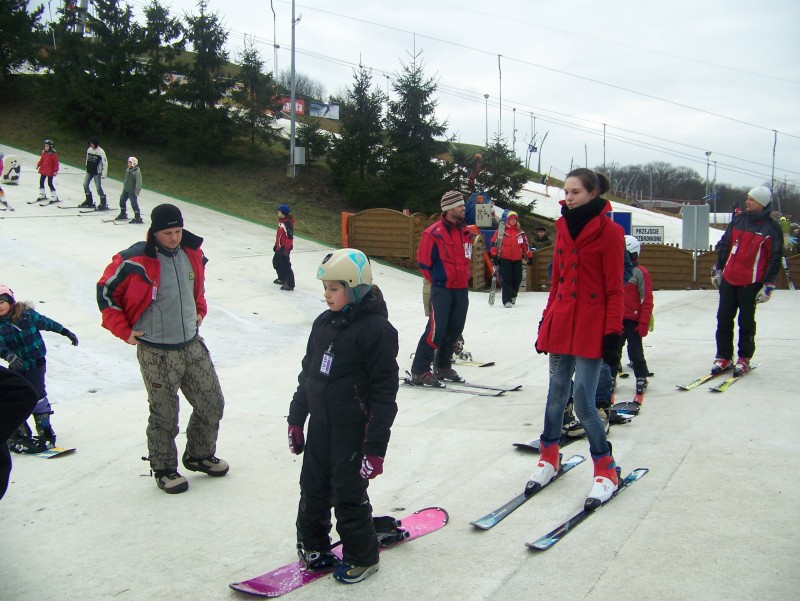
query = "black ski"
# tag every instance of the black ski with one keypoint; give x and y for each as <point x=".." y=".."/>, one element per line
<point x="499" y="514"/>
<point x="551" y="538"/>
<point x="50" y="202"/>
<point x="33" y="202"/>
<point x="535" y="445"/>
<point x="486" y="386"/>
<point x="71" y="207"/>
<point x="443" y="388"/>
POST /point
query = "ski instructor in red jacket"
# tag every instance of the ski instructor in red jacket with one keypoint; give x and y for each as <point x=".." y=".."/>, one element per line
<point x="444" y="256"/>
<point x="582" y="324"/>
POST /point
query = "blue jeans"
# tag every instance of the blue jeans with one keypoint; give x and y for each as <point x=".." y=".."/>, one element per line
<point x="584" y="388"/>
<point x="97" y="178"/>
<point x="605" y="386"/>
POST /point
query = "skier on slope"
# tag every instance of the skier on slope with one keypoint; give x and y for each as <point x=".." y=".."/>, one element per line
<point x="582" y="324"/>
<point x="748" y="261"/>
<point x="96" y="170"/>
<point x="347" y="389"/>
<point x="444" y="257"/>
<point x="47" y="166"/>
<point x="509" y="257"/>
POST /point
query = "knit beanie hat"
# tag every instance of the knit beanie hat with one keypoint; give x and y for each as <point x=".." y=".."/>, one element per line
<point x="284" y="209"/>
<point x="761" y="195"/>
<point x="452" y="200"/>
<point x="6" y="294"/>
<point x="164" y="217"/>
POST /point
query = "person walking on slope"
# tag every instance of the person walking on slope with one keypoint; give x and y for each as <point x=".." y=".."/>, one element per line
<point x="152" y="296"/>
<point x="444" y="257"/>
<point x="22" y="345"/>
<point x="748" y="261"/>
<point x="347" y="389"/>
<point x="131" y="188"/>
<point x="638" y="311"/>
<point x="284" y="242"/>
<point x="509" y="257"/>
<point x="96" y="170"/>
<point x="581" y="325"/>
<point x="47" y="166"/>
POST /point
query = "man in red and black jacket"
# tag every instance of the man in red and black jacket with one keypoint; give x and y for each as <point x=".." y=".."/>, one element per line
<point x="444" y="257"/>
<point x="748" y="260"/>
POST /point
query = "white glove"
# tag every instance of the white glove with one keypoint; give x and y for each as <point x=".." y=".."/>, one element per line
<point x="765" y="293"/>
<point x="716" y="277"/>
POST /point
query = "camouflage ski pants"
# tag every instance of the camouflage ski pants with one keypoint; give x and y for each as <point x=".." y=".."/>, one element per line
<point x="191" y="371"/>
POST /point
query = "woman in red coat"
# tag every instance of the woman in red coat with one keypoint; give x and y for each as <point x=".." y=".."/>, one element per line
<point x="582" y="324"/>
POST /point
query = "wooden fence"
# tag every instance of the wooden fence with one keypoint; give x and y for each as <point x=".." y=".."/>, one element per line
<point x="394" y="237"/>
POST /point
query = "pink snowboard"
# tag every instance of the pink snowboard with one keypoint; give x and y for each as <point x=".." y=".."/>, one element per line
<point x="294" y="575"/>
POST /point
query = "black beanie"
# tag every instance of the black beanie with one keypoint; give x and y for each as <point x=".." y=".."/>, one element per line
<point x="164" y="217"/>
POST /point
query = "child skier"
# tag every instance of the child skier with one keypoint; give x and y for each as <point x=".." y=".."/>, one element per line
<point x="636" y="317"/>
<point x="131" y="188"/>
<point x="47" y="166"/>
<point x="22" y="346"/>
<point x="348" y="386"/>
<point x="509" y="257"/>
<point x="284" y="242"/>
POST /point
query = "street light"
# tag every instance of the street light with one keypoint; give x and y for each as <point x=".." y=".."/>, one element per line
<point x="486" y="98"/>
<point x="292" y="165"/>
<point x="514" y="131"/>
<point x="708" y="155"/>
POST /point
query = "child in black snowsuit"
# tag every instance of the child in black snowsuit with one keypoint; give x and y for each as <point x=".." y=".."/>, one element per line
<point x="348" y="386"/>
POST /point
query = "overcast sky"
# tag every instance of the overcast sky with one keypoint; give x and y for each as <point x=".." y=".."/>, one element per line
<point x="670" y="80"/>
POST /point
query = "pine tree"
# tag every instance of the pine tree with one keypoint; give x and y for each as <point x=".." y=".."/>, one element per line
<point x="163" y="41"/>
<point x="356" y="156"/>
<point x="502" y="175"/>
<point x="415" y="176"/>
<point x="254" y="94"/>
<point x="20" y="30"/>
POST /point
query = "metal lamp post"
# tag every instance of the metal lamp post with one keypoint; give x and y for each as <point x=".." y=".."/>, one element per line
<point x="486" y="139"/>
<point x="292" y="165"/>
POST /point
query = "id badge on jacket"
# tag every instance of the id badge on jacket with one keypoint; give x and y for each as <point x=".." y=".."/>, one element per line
<point x="327" y="362"/>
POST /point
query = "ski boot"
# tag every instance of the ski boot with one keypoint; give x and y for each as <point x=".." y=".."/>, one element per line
<point x="42" y="195"/>
<point x="103" y="206"/>
<point x="123" y="216"/>
<point x="136" y="219"/>
<point x="44" y="429"/>
<point x="606" y="480"/>
<point x="742" y="366"/>
<point x="447" y="373"/>
<point x="317" y="561"/>
<point x="425" y="379"/>
<point x="546" y="469"/>
<point x="88" y="203"/>
<point x="720" y="365"/>
<point x="641" y="386"/>
<point x="23" y="441"/>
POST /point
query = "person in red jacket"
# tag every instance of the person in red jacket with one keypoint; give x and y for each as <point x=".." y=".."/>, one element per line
<point x="581" y="325"/>
<point x="47" y="166"/>
<point x="748" y="261"/>
<point x="638" y="311"/>
<point x="514" y="249"/>
<point x="444" y="257"/>
<point x="152" y="296"/>
<point x="284" y="242"/>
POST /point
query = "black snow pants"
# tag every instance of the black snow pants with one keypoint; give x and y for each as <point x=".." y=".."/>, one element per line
<point x="448" y="314"/>
<point x="330" y="477"/>
<point x="731" y="300"/>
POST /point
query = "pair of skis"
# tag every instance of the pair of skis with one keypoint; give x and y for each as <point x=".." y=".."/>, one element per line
<point x="464" y="387"/>
<point x="554" y="536"/>
<point x="7" y="206"/>
<point x="726" y="383"/>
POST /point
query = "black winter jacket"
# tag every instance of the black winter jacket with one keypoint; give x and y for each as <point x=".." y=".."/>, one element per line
<point x="364" y="376"/>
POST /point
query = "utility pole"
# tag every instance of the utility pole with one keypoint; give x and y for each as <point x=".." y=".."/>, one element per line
<point x="292" y="166"/>
<point x="486" y="139"/>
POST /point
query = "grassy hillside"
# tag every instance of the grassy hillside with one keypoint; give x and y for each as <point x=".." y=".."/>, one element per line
<point x="250" y="188"/>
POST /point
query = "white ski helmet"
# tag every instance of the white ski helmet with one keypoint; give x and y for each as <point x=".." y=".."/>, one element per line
<point x="632" y="245"/>
<point x="133" y="161"/>
<point x="350" y="266"/>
